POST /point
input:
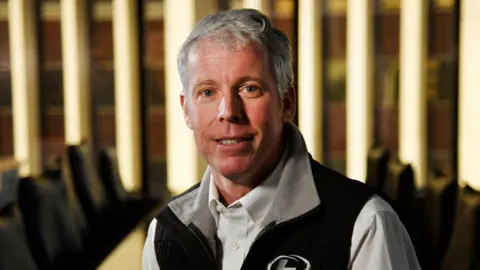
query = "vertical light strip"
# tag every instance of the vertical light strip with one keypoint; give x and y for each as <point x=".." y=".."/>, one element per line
<point x="76" y="79"/>
<point x="25" y="97"/>
<point x="359" y="90"/>
<point x="261" y="5"/>
<point x="310" y="92"/>
<point x="127" y="92"/>
<point x="184" y="165"/>
<point x="413" y="91"/>
<point x="469" y="96"/>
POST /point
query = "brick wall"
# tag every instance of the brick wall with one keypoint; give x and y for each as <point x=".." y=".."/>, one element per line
<point x="334" y="35"/>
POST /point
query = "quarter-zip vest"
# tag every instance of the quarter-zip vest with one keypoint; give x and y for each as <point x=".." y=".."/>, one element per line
<point x="318" y="239"/>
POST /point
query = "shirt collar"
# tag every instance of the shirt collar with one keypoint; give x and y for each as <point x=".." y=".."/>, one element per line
<point x="213" y="199"/>
<point x="256" y="202"/>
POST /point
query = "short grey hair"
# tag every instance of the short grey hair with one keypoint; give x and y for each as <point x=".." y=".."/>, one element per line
<point x="243" y="27"/>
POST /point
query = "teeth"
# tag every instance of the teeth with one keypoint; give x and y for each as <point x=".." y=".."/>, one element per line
<point x="229" y="141"/>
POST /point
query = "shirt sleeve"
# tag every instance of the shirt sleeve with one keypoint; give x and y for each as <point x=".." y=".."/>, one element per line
<point x="149" y="258"/>
<point x="380" y="241"/>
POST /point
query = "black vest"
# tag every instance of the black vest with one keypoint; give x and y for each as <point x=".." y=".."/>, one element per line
<point x="320" y="238"/>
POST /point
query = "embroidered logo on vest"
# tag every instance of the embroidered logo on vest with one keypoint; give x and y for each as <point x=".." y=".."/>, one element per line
<point x="289" y="262"/>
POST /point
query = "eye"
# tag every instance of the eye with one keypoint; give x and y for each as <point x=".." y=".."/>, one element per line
<point x="207" y="93"/>
<point x="251" y="88"/>
<point x="251" y="91"/>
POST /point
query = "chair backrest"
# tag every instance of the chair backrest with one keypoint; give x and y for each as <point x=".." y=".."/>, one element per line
<point x="8" y="189"/>
<point x="86" y="180"/>
<point x="400" y="186"/>
<point x="441" y="205"/>
<point x="400" y="183"/>
<point x="53" y="219"/>
<point x="464" y="247"/>
<point x="14" y="251"/>
<point x="108" y="167"/>
<point x="377" y="166"/>
<point x="434" y="209"/>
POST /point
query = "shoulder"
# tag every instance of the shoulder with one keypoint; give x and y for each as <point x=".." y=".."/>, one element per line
<point x="334" y="186"/>
<point x="179" y="203"/>
<point x="376" y="208"/>
<point x="166" y="222"/>
<point x="149" y="258"/>
<point x="380" y="239"/>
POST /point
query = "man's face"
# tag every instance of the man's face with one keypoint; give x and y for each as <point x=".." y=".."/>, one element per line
<point x="234" y="109"/>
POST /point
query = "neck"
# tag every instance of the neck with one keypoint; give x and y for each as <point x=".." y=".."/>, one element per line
<point x="232" y="190"/>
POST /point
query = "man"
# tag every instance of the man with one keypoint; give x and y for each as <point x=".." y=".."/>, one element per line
<point x="263" y="202"/>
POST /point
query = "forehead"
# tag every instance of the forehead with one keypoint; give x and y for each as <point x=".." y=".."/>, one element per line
<point x="225" y="43"/>
<point x="215" y="59"/>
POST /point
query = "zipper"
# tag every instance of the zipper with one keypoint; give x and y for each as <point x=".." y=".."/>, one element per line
<point x="273" y="227"/>
<point x="269" y="226"/>
<point x="202" y="239"/>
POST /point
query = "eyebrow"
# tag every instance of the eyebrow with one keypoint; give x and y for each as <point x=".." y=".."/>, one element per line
<point x="250" y="78"/>
<point x="203" y="83"/>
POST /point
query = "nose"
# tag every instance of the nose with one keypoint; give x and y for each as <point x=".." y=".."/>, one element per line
<point x="230" y="108"/>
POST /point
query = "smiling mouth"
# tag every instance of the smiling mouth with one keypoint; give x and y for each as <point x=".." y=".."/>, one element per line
<point x="234" y="141"/>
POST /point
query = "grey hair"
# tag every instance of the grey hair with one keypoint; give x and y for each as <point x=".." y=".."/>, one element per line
<point x="239" y="28"/>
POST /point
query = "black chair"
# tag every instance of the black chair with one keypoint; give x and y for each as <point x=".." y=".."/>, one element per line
<point x="113" y="212"/>
<point x="88" y="185"/>
<point x="377" y="166"/>
<point x="9" y="182"/>
<point x="54" y="220"/>
<point x="109" y="174"/>
<point x="437" y="223"/>
<point x="14" y="251"/>
<point x="400" y="186"/>
<point x="418" y="218"/>
<point x="464" y="249"/>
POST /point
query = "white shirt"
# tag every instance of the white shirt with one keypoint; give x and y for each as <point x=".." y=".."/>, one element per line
<point x="239" y="224"/>
<point x="379" y="239"/>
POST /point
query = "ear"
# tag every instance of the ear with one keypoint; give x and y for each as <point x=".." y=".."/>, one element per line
<point x="183" y="103"/>
<point x="289" y="104"/>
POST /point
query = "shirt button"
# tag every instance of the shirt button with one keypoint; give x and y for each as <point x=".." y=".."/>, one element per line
<point x="235" y="246"/>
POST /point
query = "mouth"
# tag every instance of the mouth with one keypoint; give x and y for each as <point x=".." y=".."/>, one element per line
<point x="231" y="141"/>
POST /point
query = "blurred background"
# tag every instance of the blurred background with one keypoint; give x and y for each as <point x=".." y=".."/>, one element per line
<point x="93" y="141"/>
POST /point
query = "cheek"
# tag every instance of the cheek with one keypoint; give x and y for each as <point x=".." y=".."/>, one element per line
<point x="202" y="116"/>
<point x="264" y="117"/>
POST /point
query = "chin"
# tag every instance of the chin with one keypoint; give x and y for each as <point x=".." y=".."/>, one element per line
<point x="232" y="167"/>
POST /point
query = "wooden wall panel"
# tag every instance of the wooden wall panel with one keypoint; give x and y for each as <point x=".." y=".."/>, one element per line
<point x="4" y="46"/>
<point x="52" y="133"/>
<point x="388" y="133"/>
<point x="105" y="128"/>
<point x="388" y="27"/>
<point x="336" y="128"/>
<point x="156" y="132"/>
<point x="103" y="87"/>
<point x="51" y="42"/>
<point x="441" y="33"/>
<point x="102" y="41"/>
<point x="51" y="89"/>
<point x="335" y="37"/>
<point x="154" y="51"/>
<point x="6" y="136"/>
<point x="155" y="84"/>
<point x="5" y="88"/>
